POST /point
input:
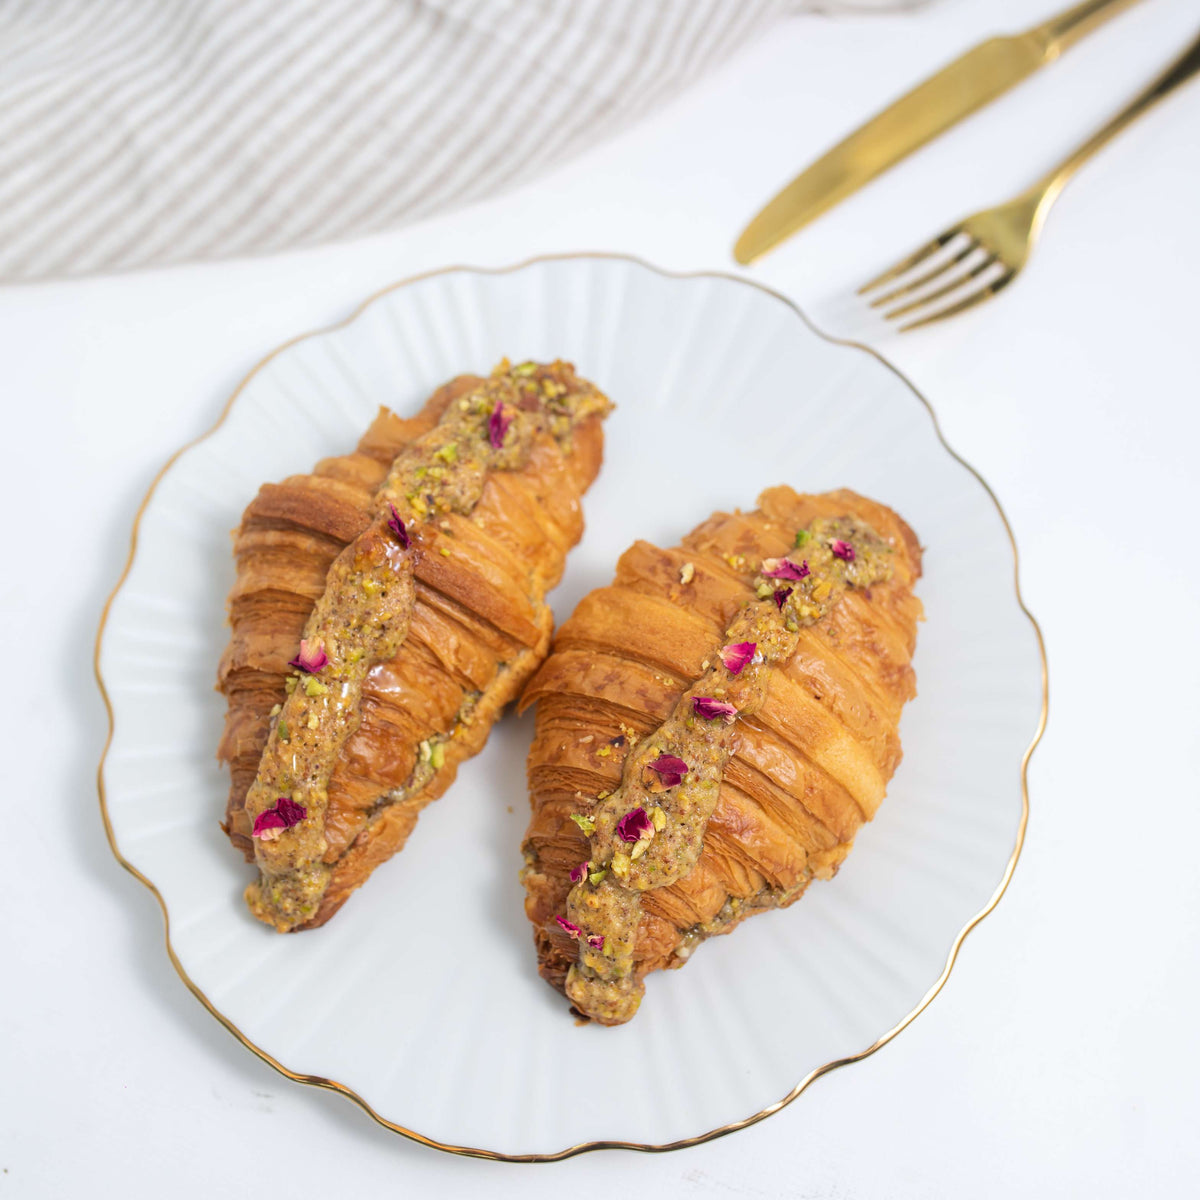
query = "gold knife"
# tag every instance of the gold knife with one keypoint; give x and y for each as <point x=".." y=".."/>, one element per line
<point x="956" y="91"/>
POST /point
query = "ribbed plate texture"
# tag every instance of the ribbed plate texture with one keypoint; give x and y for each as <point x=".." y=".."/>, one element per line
<point x="422" y="995"/>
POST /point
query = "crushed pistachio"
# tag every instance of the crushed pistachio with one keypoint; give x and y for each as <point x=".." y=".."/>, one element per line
<point x="284" y="733"/>
<point x="437" y="756"/>
<point x="585" y="823"/>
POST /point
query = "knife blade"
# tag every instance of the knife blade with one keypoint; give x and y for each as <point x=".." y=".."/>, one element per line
<point x="957" y="90"/>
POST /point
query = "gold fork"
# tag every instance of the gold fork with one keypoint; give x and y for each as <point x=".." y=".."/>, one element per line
<point x="1001" y="239"/>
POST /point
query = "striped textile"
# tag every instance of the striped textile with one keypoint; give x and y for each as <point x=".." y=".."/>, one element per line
<point x="138" y="132"/>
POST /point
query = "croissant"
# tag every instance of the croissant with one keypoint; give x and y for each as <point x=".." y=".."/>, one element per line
<point x="711" y="731"/>
<point x="386" y="608"/>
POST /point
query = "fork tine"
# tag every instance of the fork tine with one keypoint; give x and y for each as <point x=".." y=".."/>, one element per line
<point x="907" y="264"/>
<point x="922" y="280"/>
<point x="962" y="305"/>
<point x="945" y="290"/>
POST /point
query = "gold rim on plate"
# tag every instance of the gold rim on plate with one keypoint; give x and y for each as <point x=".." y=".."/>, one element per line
<point x="580" y="1148"/>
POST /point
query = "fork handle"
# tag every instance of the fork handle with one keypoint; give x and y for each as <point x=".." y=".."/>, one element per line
<point x="1177" y="74"/>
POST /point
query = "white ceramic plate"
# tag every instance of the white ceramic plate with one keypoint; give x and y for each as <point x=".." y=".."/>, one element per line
<point x="432" y="1015"/>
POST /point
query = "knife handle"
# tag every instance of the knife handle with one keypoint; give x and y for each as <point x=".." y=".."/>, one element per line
<point x="1061" y="32"/>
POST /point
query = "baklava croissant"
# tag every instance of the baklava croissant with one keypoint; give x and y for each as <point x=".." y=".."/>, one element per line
<point x="386" y="608"/>
<point x="712" y="729"/>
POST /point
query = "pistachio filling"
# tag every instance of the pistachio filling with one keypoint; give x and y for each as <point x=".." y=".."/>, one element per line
<point x="838" y="553"/>
<point x="362" y="617"/>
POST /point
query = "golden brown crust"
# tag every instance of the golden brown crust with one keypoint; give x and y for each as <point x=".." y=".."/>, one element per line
<point x="806" y="770"/>
<point x="479" y="628"/>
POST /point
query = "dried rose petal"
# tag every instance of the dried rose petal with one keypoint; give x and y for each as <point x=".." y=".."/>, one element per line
<point x="842" y="549"/>
<point x="291" y="812"/>
<point x="578" y="873"/>
<point x="671" y="770"/>
<point x="268" y="825"/>
<point x="498" y="424"/>
<point x="396" y="525"/>
<point x="781" y="597"/>
<point x="283" y="814"/>
<point x="596" y="941"/>
<point x="736" y="657"/>
<point x="573" y="930"/>
<point x="710" y="709"/>
<point x="311" y="657"/>
<point x="783" y="568"/>
<point x="635" y="825"/>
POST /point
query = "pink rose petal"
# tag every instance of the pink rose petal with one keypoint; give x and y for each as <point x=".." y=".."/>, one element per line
<point x="573" y="930"/>
<point x="736" y="657"/>
<point x="781" y="597"/>
<point x="498" y="424"/>
<point x="291" y="812"/>
<point x="671" y="770"/>
<point x="579" y="873"/>
<point x="268" y="825"/>
<point x="711" y="710"/>
<point x="784" y="568"/>
<point x="842" y="549"/>
<point x="311" y="657"/>
<point x="634" y="825"/>
<point x="396" y="525"/>
<point x="596" y="941"/>
<point x="285" y="813"/>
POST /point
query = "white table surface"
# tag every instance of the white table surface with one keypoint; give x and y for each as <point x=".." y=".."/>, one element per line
<point x="1062" y="1057"/>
